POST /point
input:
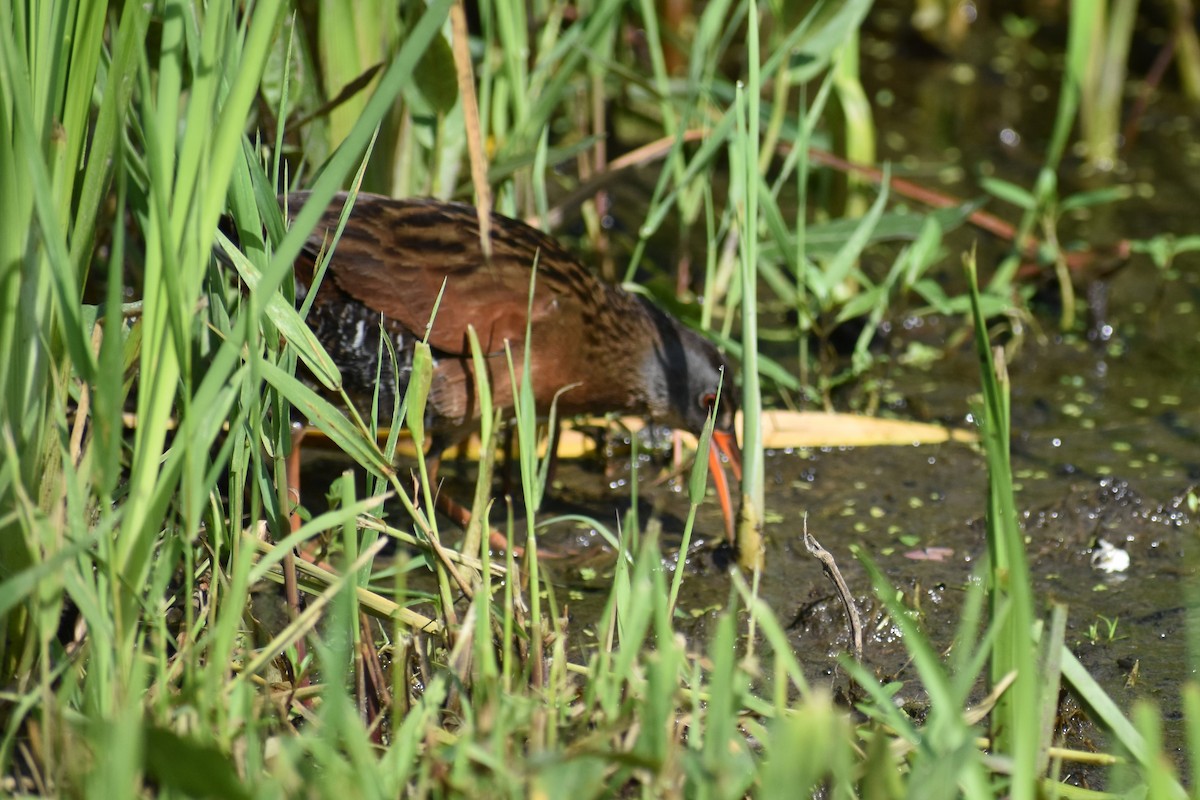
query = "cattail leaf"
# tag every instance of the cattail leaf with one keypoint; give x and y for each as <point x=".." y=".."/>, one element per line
<point x="286" y="320"/>
<point x="698" y="481"/>
<point x="324" y="416"/>
<point x="418" y="390"/>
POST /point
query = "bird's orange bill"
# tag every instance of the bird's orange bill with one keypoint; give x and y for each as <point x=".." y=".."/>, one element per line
<point x="725" y="444"/>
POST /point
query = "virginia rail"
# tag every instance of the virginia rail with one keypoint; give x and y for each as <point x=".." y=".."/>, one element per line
<point x="595" y="347"/>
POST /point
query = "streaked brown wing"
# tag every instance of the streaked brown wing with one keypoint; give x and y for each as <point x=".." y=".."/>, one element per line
<point x="399" y="253"/>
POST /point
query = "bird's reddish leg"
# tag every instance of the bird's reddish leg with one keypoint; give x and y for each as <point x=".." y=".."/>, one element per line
<point x="290" y="583"/>
<point x="293" y="475"/>
<point x="460" y="515"/>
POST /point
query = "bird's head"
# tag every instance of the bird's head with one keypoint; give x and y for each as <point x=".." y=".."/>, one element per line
<point x="690" y="378"/>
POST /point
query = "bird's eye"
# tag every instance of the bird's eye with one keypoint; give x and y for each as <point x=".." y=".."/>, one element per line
<point x="707" y="401"/>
